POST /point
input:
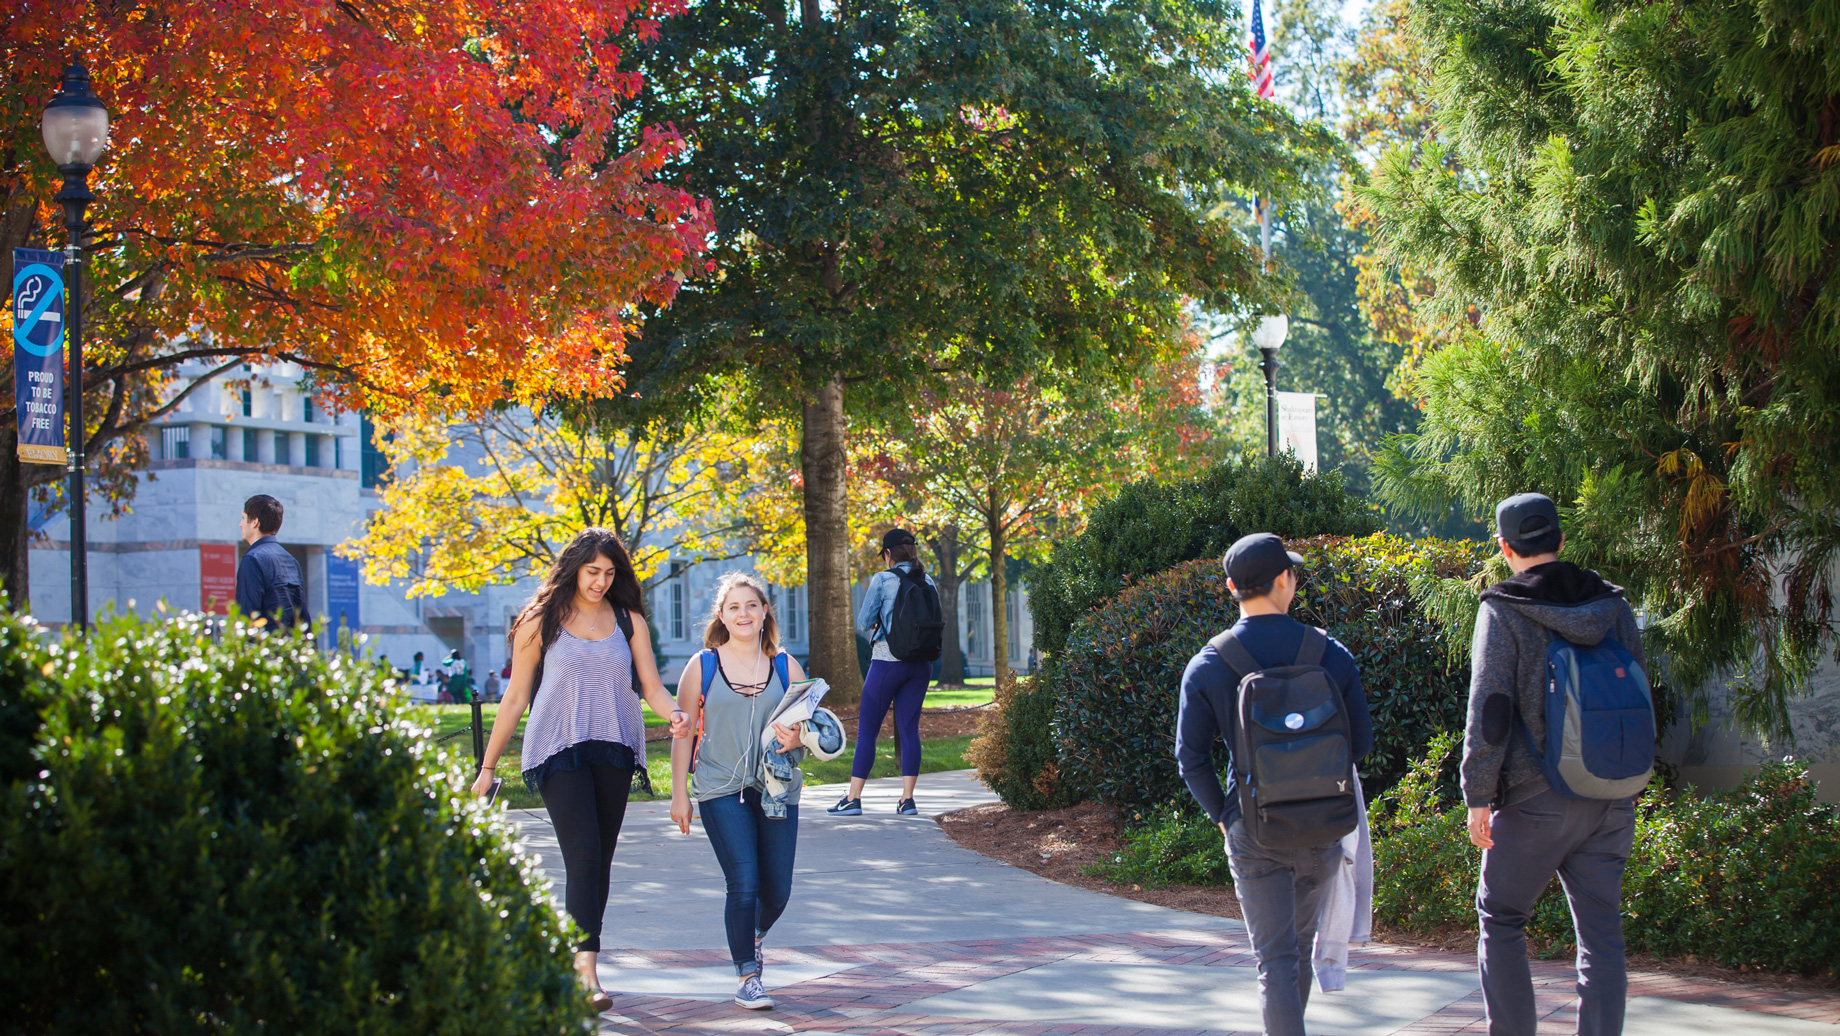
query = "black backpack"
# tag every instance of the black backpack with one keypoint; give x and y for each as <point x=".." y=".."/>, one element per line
<point x="1291" y="753"/>
<point x="918" y="625"/>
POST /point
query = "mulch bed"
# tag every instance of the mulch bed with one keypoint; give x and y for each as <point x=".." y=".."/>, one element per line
<point x="1060" y="844"/>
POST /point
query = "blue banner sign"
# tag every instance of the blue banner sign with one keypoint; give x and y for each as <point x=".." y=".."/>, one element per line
<point x="38" y="354"/>
<point x="342" y="593"/>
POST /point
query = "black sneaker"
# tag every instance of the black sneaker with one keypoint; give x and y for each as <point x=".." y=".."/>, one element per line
<point x="846" y="807"/>
<point x="907" y="808"/>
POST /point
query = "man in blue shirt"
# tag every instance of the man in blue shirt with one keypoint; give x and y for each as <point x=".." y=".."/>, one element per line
<point x="1280" y="890"/>
<point x="268" y="579"/>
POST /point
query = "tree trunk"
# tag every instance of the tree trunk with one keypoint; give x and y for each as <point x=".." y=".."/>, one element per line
<point x="945" y="574"/>
<point x="999" y="593"/>
<point x="822" y="460"/>
<point x="15" y="536"/>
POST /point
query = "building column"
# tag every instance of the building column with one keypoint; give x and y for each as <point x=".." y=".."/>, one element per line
<point x="265" y="448"/>
<point x="297" y="449"/>
<point x="233" y="443"/>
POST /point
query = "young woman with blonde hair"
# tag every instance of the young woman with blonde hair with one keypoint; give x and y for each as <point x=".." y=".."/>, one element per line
<point x="576" y="651"/>
<point x="733" y="702"/>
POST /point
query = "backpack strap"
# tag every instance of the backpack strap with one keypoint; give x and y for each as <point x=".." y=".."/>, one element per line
<point x="1232" y="652"/>
<point x="623" y="619"/>
<point x="782" y="664"/>
<point x="707" y="660"/>
<point x="1315" y="643"/>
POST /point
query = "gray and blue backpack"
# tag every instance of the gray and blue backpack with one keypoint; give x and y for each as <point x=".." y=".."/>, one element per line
<point x="1600" y="721"/>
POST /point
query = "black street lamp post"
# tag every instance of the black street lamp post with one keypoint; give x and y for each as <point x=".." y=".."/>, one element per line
<point x="1268" y="336"/>
<point x="76" y="130"/>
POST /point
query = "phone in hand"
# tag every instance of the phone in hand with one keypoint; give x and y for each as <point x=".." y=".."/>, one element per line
<point x="492" y="796"/>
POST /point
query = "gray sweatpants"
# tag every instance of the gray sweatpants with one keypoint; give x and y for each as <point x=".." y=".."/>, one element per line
<point x="1280" y="893"/>
<point x="1586" y="842"/>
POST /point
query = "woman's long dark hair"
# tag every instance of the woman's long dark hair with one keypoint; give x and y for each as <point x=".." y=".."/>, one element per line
<point x="554" y="602"/>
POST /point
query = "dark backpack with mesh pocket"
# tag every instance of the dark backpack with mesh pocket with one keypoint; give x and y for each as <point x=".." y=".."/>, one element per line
<point x="1292" y="752"/>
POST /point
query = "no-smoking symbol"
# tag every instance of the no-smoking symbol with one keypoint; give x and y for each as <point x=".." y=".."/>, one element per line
<point x="38" y="309"/>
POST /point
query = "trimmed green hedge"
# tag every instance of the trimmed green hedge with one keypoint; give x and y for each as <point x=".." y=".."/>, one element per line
<point x="1014" y="751"/>
<point x="244" y="835"/>
<point x="1748" y="877"/>
<point x="1116" y="684"/>
<point x="1150" y="527"/>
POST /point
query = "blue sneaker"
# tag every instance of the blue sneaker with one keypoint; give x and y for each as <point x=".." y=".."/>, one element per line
<point x="752" y="995"/>
<point x="907" y="808"/>
<point x="846" y="807"/>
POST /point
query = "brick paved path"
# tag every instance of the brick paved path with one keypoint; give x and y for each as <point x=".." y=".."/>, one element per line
<point x="894" y="930"/>
<point x="868" y="997"/>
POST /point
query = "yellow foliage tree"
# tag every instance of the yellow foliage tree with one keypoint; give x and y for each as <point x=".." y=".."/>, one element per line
<point x="490" y="501"/>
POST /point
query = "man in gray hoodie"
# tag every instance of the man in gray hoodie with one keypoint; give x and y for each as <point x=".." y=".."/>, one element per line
<point x="1527" y="831"/>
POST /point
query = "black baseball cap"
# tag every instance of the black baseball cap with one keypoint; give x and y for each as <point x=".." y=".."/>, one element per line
<point x="897" y="538"/>
<point x="1257" y="559"/>
<point x="1530" y="521"/>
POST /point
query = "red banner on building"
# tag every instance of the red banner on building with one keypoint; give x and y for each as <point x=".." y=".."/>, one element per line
<point x="217" y="577"/>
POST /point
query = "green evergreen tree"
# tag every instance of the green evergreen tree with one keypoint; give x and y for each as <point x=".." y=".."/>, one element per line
<point x="1645" y="212"/>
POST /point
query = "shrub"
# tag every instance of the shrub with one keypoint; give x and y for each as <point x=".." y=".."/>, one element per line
<point x="1150" y="527"/>
<point x="1171" y="847"/>
<point x="1116" y="684"/>
<point x="1014" y="751"/>
<point x="1748" y="877"/>
<point x="244" y="835"/>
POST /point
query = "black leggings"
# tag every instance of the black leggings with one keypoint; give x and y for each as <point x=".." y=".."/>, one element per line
<point x="586" y="806"/>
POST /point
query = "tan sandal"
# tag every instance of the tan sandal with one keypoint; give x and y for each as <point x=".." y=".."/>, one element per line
<point x="585" y="969"/>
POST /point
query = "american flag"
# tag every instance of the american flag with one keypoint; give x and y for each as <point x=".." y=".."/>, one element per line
<point x="1261" y="57"/>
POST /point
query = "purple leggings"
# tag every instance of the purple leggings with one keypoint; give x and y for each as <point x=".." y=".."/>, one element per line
<point x="902" y="685"/>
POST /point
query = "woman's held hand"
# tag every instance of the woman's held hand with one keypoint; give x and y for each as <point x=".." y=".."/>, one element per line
<point x="680" y="724"/>
<point x="788" y="738"/>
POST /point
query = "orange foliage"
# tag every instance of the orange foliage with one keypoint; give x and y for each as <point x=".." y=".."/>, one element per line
<point x="430" y="201"/>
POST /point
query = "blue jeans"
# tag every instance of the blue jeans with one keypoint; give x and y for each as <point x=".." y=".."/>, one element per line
<point x="1586" y="842"/>
<point x="756" y="855"/>
<point x="1280" y="894"/>
<point x="902" y="685"/>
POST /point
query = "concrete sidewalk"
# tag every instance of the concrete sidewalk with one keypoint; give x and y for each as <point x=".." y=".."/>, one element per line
<point x="894" y="929"/>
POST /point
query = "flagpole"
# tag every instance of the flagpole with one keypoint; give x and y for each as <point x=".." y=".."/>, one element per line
<point x="1264" y="212"/>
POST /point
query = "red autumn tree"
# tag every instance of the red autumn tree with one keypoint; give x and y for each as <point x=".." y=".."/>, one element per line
<point x="429" y="204"/>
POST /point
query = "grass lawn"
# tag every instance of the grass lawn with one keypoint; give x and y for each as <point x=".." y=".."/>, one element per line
<point x="936" y="754"/>
<point x="951" y="696"/>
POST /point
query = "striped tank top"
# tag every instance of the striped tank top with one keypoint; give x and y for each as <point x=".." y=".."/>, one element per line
<point x="583" y="708"/>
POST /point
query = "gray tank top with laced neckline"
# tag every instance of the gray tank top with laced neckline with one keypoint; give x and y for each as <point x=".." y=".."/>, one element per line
<point x="728" y="755"/>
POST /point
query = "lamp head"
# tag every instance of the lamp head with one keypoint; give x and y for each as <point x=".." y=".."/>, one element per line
<point x="1271" y="331"/>
<point x="75" y="124"/>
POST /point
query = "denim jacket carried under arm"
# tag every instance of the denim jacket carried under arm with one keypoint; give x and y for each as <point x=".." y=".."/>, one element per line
<point x="877" y="610"/>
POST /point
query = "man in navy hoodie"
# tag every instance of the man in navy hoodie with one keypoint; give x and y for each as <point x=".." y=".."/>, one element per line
<point x="1280" y="890"/>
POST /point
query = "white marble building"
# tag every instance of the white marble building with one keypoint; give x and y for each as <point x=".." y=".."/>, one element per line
<point x="179" y="543"/>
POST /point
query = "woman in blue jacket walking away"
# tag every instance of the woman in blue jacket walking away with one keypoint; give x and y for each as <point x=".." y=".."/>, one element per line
<point x="890" y="682"/>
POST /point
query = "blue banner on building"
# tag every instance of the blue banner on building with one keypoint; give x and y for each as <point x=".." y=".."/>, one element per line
<point x="38" y="354"/>
<point x="342" y="593"/>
